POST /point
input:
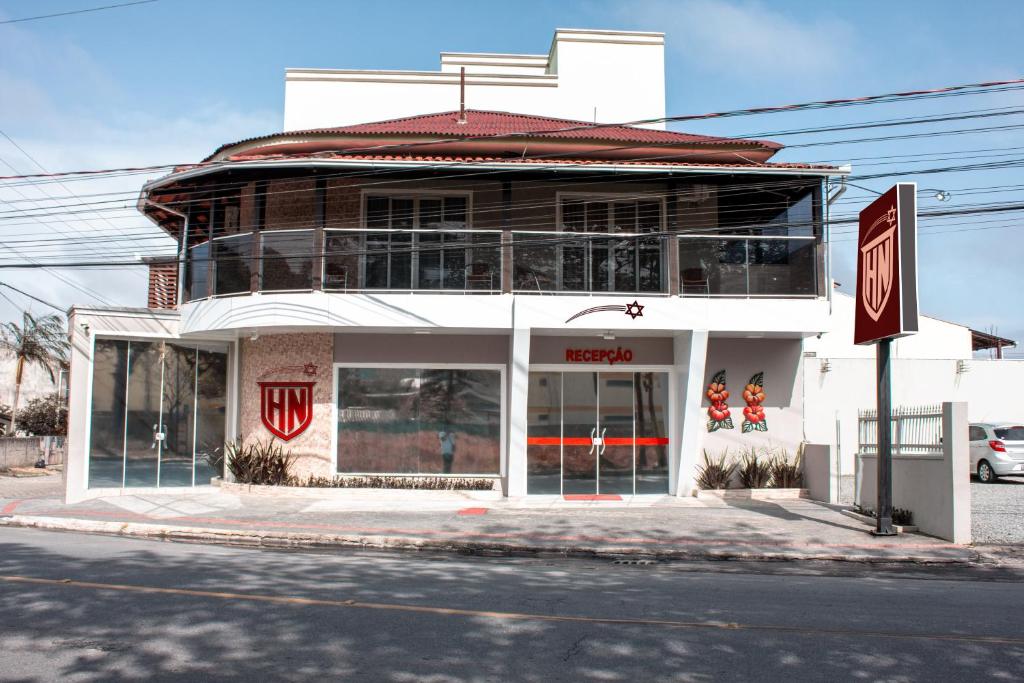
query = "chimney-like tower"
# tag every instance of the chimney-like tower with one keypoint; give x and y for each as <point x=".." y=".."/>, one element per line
<point x="163" y="282"/>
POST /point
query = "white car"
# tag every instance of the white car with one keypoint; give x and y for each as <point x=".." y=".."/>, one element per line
<point x="997" y="450"/>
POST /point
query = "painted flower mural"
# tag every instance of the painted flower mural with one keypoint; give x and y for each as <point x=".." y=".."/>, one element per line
<point x="753" y="414"/>
<point x="719" y="416"/>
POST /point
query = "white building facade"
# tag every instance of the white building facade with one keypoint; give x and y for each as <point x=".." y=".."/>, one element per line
<point x="395" y="286"/>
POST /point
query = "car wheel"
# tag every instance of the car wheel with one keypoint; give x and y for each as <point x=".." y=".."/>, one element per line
<point x="986" y="475"/>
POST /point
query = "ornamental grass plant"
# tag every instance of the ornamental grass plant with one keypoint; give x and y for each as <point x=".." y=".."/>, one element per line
<point x="716" y="474"/>
<point x="786" y="473"/>
<point x="755" y="472"/>
<point x="260" y="462"/>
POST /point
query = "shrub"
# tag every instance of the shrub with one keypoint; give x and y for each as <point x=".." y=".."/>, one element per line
<point x="755" y="472"/>
<point x="902" y="517"/>
<point x="399" y="482"/>
<point x="47" y="416"/>
<point x="259" y="462"/>
<point x="716" y="474"/>
<point x="786" y="474"/>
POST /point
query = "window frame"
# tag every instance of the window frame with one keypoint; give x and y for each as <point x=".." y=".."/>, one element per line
<point x="502" y="427"/>
<point x="610" y="199"/>
<point x="416" y="196"/>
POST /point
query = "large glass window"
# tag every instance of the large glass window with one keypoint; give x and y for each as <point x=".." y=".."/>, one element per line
<point x="422" y="243"/>
<point x="287" y="260"/>
<point x="231" y="256"/>
<point x="157" y="416"/>
<point x="106" y="434"/>
<point x="625" y="261"/>
<point x="419" y="421"/>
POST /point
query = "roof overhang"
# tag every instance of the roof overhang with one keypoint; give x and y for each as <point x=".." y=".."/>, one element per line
<point x="488" y="166"/>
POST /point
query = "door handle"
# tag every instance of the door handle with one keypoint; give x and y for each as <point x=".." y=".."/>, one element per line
<point x="603" y="446"/>
<point x="593" y="441"/>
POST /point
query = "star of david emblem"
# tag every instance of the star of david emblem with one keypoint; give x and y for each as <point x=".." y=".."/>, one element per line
<point x="309" y="370"/>
<point x="890" y="216"/>
<point x="634" y="310"/>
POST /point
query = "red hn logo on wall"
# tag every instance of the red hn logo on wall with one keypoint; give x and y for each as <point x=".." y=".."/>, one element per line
<point x="286" y="408"/>
<point x="887" y="267"/>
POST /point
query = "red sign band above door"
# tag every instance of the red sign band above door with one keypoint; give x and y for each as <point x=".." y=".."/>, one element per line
<point x="587" y="441"/>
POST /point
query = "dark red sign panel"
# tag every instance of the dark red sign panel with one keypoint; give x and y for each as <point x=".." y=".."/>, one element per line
<point x="286" y="408"/>
<point x="886" y="298"/>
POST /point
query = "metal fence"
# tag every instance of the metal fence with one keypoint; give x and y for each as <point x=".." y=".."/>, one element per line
<point x="916" y="430"/>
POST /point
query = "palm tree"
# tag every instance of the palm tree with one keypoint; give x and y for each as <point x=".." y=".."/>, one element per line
<point x="38" y="340"/>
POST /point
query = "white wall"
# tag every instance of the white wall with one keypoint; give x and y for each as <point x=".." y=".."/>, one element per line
<point x="35" y="382"/>
<point x="934" y="488"/>
<point x="618" y="74"/>
<point x="936" y="338"/>
<point x="990" y="388"/>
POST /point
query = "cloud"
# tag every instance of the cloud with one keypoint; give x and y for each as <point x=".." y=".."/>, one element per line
<point x="65" y="110"/>
<point x="748" y="41"/>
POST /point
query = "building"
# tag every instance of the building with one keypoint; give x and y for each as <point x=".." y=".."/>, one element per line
<point x="495" y="291"/>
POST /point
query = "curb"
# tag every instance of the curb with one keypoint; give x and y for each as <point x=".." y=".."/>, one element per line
<point x="297" y="539"/>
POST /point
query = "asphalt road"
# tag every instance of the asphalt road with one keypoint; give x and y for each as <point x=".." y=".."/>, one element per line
<point x="90" y="608"/>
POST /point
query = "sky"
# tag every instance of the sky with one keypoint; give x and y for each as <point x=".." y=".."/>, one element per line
<point x="169" y="81"/>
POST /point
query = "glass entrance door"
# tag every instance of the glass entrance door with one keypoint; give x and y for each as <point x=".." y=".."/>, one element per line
<point x="603" y="432"/>
<point x="579" y="432"/>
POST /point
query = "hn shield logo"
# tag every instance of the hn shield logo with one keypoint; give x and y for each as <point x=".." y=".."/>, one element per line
<point x="878" y="264"/>
<point x="286" y="408"/>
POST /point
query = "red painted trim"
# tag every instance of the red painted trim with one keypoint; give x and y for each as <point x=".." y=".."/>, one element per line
<point x="586" y="441"/>
<point x="473" y="511"/>
<point x="9" y="508"/>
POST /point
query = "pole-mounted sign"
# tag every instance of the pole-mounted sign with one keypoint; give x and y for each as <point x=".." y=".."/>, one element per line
<point x="886" y="308"/>
<point x="887" y="267"/>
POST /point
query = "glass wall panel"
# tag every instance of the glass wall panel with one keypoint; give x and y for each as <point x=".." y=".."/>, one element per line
<point x="544" y="433"/>
<point x="232" y="256"/>
<point x="341" y="260"/>
<point x="106" y="433"/>
<point x="783" y="267"/>
<point x="651" y="432"/>
<point x="211" y="414"/>
<point x="178" y="414"/>
<point x="287" y="260"/>
<point x="199" y="270"/>
<point x="143" y="414"/>
<point x="615" y="422"/>
<point x="146" y="428"/>
<point x="416" y="421"/>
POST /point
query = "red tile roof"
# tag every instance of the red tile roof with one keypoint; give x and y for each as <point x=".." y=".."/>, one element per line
<point x="483" y="126"/>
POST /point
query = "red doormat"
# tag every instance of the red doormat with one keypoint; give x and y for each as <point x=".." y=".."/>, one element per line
<point x="592" y="496"/>
<point x="473" y="511"/>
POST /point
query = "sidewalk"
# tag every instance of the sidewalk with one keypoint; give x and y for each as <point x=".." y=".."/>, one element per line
<point x="649" y="527"/>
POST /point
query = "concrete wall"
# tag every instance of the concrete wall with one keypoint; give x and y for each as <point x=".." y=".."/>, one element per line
<point x="821" y="474"/>
<point x="935" y="488"/>
<point x="25" y="451"/>
<point x="990" y="388"/>
<point x="780" y="360"/>
<point x="35" y="382"/>
<point x="937" y="339"/>
<point x="314" y="448"/>
<point x="423" y="348"/>
<point x="588" y="75"/>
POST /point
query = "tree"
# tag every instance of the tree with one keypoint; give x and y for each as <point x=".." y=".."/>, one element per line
<point x="42" y="341"/>
<point x="47" y="416"/>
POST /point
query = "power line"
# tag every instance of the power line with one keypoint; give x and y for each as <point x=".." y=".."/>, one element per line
<point x="962" y="89"/>
<point x="77" y="11"/>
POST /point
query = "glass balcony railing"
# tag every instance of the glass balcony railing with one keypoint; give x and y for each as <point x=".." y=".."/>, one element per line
<point x="748" y="266"/>
<point x="412" y="260"/>
<point x="471" y="261"/>
<point x="574" y="262"/>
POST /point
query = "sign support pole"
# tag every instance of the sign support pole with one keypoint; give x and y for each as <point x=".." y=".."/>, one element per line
<point x="883" y="519"/>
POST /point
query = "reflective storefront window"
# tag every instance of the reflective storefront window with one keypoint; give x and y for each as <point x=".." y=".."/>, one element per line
<point x="106" y="435"/>
<point x="419" y="421"/>
<point x="147" y="428"/>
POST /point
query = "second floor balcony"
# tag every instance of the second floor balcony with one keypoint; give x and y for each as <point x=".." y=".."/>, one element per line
<point x="494" y="262"/>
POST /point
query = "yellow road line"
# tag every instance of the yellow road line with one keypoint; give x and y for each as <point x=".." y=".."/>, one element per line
<point x="512" y="616"/>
